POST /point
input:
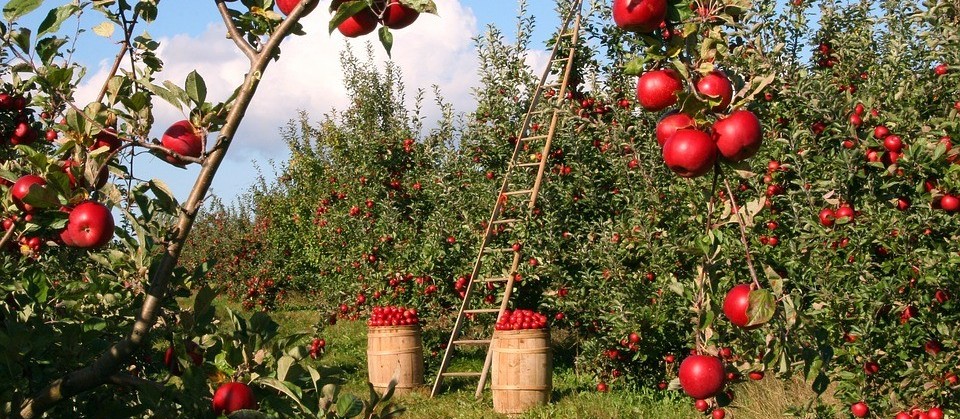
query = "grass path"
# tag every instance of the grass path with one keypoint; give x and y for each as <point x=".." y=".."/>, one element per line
<point x="573" y="396"/>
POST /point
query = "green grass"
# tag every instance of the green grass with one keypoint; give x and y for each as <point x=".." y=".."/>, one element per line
<point x="573" y="395"/>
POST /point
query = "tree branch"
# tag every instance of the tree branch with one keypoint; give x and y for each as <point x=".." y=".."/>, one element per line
<point x="127" y="380"/>
<point x="234" y="34"/>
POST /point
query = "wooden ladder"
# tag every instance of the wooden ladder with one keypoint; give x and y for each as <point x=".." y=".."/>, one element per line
<point x="562" y="54"/>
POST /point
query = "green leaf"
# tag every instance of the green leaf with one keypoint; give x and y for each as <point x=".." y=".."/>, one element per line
<point x="22" y="39"/>
<point x="386" y="38"/>
<point x="635" y="66"/>
<point x="196" y="88"/>
<point x="282" y="387"/>
<point x="55" y="18"/>
<point x="762" y="307"/>
<point x="345" y="11"/>
<point x="203" y="299"/>
<point x="821" y="383"/>
<point x="104" y="29"/>
<point x="283" y="366"/>
<point x="47" y="48"/>
<point x="422" y="6"/>
<point x="349" y="406"/>
<point x="164" y="195"/>
<point x="17" y="8"/>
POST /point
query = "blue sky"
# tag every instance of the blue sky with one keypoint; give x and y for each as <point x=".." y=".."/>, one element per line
<point x="434" y="50"/>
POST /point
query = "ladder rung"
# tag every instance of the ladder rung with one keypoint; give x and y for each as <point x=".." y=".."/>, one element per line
<point x="482" y="310"/>
<point x="460" y="374"/>
<point x="500" y="250"/>
<point x="535" y="137"/>
<point x="567" y="33"/>
<point x="520" y="192"/>
<point x="493" y="279"/>
<point x="472" y="342"/>
<point x="506" y="221"/>
<point x="534" y="164"/>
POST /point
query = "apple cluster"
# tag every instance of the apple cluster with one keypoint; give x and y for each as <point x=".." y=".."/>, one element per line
<point x="521" y="320"/>
<point x="689" y="149"/>
<point x="392" y="14"/>
<point x="393" y="316"/>
<point x="16" y="124"/>
<point x="316" y="347"/>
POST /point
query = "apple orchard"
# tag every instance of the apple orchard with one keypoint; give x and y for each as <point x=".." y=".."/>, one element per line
<point x="739" y="189"/>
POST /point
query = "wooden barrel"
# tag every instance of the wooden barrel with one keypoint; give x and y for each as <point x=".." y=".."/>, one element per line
<point x="521" y="370"/>
<point x="395" y="350"/>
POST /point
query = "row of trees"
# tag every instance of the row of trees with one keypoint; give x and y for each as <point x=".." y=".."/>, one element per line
<point x="372" y="209"/>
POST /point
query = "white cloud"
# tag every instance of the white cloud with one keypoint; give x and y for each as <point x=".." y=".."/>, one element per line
<point x="435" y="50"/>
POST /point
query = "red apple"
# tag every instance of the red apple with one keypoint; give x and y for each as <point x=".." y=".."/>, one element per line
<point x="738" y="135"/>
<point x="845" y="212"/>
<point x="22" y="187"/>
<point x="860" y="410"/>
<point x="672" y="122"/>
<point x="950" y="203"/>
<point x="602" y="387"/>
<point x="231" y="397"/>
<point x="286" y="6"/>
<point x="90" y="225"/>
<point x="880" y="132"/>
<point x="827" y="217"/>
<point x="657" y="89"/>
<point x="399" y="16"/>
<point x="737" y="304"/>
<point x="716" y="85"/>
<point x="362" y="23"/>
<point x="639" y="15"/>
<point x="184" y="140"/>
<point x="893" y="143"/>
<point x="690" y="153"/>
<point x="941" y="69"/>
<point x="106" y="138"/>
<point x="935" y="413"/>
<point x="701" y="376"/>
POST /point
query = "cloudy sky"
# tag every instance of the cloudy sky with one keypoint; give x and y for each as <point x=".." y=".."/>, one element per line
<point x="436" y="50"/>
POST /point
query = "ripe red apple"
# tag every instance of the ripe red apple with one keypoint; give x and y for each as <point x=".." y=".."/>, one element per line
<point x="736" y="305"/>
<point x="950" y="203"/>
<point x="357" y="25"/>
<point x="845" y="212"/>
<point x="701" y="405"/>
<point x="106" y="138"/>
<point x="716" y="85"/>
<point x="756" y="375"/>
<point x="871" y="367"/>
<point x="90" y="225"/>
<point x="701" y="376"/>
<point x="941" y="69"/>
<point x="690" y="153"/>
<point x="602" y="387"/>
<point x="231" y="397"/>
<point x="21" y="188"/>
<point x="880" y="132"/>
<point x="827" y="217"/>
<point x="286" y="6"/>
<point x="671" y="123"/>
<point x="657" y="89"/>
<point x="893" y="143"/>
<point x="860" y="410"/>
<point x="639" y="15"/>
<point x="719" y="413"/>
<point x="738" y="135"/>
<point x="935" y="413"/>
<point x="399" y="16"/>
<point x="183" y="139"/>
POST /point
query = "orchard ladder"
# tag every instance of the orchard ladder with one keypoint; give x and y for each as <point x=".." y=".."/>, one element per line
<point x="563" y="53"/>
